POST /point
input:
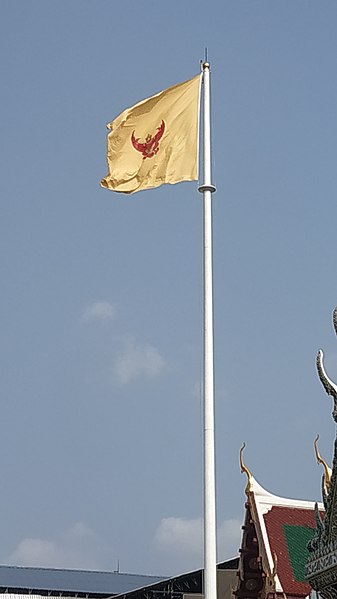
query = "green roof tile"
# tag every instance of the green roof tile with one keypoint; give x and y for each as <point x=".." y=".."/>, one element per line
<point x="297" y="539"/>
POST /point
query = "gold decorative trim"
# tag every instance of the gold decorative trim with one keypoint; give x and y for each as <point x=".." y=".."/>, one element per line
<point x="274" y="572"/>
<point x="245" y="470"/>
<point x="327" y="470"/>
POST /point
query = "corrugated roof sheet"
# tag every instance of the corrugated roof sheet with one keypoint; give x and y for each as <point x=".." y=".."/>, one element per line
<point x="72" y="581"/>
<point x="190" y="582"/>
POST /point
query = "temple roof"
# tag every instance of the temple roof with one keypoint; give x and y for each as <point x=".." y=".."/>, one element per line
<point x="283" y="529"/>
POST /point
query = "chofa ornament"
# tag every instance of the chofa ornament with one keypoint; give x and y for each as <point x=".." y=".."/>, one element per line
<point x="329" y="386"/>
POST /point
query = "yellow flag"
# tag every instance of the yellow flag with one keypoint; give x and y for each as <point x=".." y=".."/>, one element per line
<point x="155" y="141"/>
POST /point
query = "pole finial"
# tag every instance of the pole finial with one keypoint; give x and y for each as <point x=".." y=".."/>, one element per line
<point x="204" y="63"/>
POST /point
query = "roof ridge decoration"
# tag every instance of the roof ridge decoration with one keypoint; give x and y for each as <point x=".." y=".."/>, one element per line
<point x="321" y="566"/>
<point x="265" y="498"/>
<point x="245" y="470"/>
<point x="326" y="477"/>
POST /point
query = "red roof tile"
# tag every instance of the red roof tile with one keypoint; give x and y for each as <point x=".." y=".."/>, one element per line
<point x="291" y="556"/>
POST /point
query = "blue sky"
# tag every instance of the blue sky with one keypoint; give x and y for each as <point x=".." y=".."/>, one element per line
<point x="101" y="302"/>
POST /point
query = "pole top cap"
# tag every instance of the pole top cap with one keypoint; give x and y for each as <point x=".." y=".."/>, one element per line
<point x="205" y="65"/>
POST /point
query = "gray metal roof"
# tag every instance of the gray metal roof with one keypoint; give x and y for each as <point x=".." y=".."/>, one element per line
<point x="177" y="586"/>
<point x="71" y="581"/>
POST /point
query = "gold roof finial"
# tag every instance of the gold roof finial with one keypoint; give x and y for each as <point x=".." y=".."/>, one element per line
<point x="245" y="470"/>
<point x="327" y="471"/>
<point x="274" y="572"/>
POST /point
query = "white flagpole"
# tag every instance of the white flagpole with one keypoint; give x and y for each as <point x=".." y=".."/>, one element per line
<point x="210" y="582"/>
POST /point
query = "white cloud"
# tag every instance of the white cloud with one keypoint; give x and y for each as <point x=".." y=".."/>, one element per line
<point x="77" y="547"/>
<point x="229" y="538"/>
<point x="99" y="310"/>
<point x="34" y="552"/>
<point x="181" y="541"/>
<point x="179" y="534"/>
<point x="137" y="361"/>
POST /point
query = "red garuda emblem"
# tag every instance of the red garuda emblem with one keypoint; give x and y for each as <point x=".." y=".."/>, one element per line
<point x="150" y="146"/>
